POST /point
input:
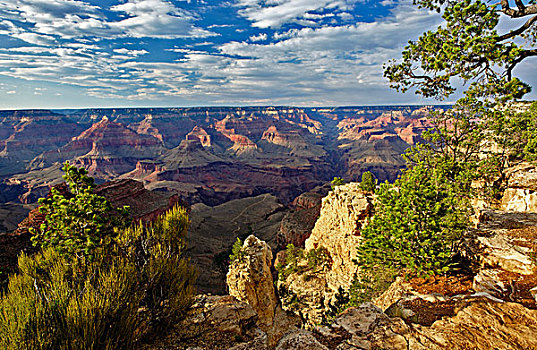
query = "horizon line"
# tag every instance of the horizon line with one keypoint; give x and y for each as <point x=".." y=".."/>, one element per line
<point x="229" y="106"/>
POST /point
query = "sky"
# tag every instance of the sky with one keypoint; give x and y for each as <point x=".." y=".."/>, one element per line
<point x="143" y="53"/>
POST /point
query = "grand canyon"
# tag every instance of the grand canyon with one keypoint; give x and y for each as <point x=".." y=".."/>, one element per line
<point x="206" y="155"/>
<point x="241" y="170"/>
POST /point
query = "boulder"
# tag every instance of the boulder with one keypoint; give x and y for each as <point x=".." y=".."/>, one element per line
<point x="300" y="340"/>
<point x="215" y="323"/>
<point x="499" y="251"/>
<point x="507" y="241"/>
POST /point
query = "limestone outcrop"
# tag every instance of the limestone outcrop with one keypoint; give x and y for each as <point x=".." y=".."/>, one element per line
<point x="250" y="280"/>
<point x="344" y="212"/>
<point x="482" y="324"/>
<point x="492" y="305"/>
<point x="521" y="192"/>
<point x="336" y="235"/>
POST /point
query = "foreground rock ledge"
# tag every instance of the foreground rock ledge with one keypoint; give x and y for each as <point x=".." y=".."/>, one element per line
<point x="483" y="324"/>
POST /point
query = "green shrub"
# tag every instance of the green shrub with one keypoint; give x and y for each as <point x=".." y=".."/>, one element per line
<point x="369" y="183"/>
<point x="165" y="276"/>
<point x="236" y="251"/>
<point x="370" y="285"/>
<point x="51" y="305"/>
<point x="318" y="258"/>
<point x="337" y="181"/>
<point x="139" y="284"/>
<point x="296" y="261"/>
<point x="292" y="256"/>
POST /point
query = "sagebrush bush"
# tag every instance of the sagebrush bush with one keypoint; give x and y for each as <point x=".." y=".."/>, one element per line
<point x="57" y="302"/>
<point x="52" y="305"/>
<point x="165" y="275"/>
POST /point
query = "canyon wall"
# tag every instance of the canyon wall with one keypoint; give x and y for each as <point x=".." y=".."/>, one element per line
<point x="209" y="155"/>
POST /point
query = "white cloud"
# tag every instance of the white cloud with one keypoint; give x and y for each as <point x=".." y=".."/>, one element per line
<point x="77" y="19"/>
<point x="156" y="18"/>
<point x="260" y="37"/>
<point x="37" y="39"/>
<point x="265" y="14"/>
<point x="128" y="52"/>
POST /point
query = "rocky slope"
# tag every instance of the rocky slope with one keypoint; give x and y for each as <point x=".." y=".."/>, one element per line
<point x="213" y="230"/>
<point x="492" y="307"/>
<point x="297" y="224"/>
<point x="209" y="155"/>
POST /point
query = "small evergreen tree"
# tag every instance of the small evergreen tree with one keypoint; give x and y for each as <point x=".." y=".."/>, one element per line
<point x="236" y="252"/>
<point x="80" y="221"/>
<point x="369" y="183"/>
<point x="418" y="224"/>
<point x="337" y="181"/>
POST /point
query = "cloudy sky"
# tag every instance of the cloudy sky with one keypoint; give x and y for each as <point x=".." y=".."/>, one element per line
<point x="108" y="53"/>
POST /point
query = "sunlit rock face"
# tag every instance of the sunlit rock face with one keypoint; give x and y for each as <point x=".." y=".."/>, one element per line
<point x="250" y="279"/>
<point x="344" y="211"/>
<point x="521" y="192"/>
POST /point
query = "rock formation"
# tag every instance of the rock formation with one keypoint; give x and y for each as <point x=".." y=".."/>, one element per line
<point x="107" y="149"/>
<point x="343" y="213"/>
<point x="215" y="323"/>
<point x="297" y="224"/>
<point x="521" y="192"/>
<point x="249" y="279"/>
<point x="482" y="324"/>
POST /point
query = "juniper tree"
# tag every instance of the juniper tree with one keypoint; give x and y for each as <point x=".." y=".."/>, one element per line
<point x="80" y="221"/>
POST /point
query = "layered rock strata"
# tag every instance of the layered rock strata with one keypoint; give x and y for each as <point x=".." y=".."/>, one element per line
<point x="243" y="151"/>
<point x="297" y="224"/>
